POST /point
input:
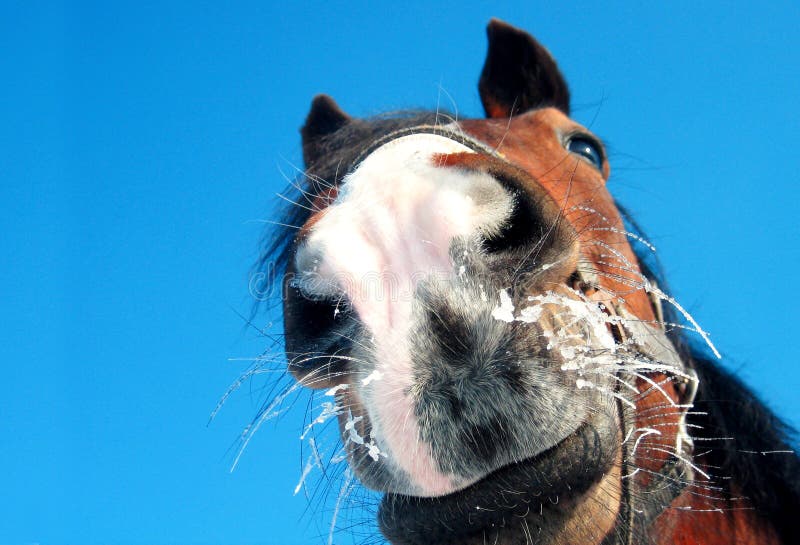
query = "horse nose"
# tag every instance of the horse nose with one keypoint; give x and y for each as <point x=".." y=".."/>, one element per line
<point x="421" y="215"/>
<point x="418" y="242"/>
<point x="534" y="240"/>
<point x="394" y="224"/>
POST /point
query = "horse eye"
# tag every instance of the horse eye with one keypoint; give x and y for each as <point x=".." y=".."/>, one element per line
<point x="588" y="149"/>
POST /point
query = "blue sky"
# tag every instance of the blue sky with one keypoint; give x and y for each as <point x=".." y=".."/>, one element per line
<point x="142" y="147"/>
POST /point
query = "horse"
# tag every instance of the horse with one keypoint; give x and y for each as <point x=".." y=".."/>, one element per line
<point x="506" y="362"/>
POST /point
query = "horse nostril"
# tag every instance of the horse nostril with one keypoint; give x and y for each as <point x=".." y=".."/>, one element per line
<point x="523" y="227"/>
<point x="316" y="331"/>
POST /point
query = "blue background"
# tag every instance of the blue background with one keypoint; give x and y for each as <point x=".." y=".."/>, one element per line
<point x="141" y="148"/>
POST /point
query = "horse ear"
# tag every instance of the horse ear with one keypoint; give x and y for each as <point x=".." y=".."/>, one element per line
<point x="324" y="118"/>
<point x="519" y="74"/>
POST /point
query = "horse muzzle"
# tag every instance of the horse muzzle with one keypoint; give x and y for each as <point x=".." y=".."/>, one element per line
<point x="437" y="283"/>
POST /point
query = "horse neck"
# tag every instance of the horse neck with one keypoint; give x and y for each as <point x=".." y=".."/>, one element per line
<point x="694" y="519"/>
<point x="747" y="500"/>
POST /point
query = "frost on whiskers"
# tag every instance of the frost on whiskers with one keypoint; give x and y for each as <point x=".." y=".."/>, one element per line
<point x="601" y="344"/>
<point x="583" y="337"/>
<point x="325" y="459"/>
<point x="326" y="411"/>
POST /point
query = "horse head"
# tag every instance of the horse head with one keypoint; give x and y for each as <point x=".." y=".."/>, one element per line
<point x="467" y="289"/>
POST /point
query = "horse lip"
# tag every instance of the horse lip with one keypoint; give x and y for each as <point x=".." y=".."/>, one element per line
<point x="568" y="469"/>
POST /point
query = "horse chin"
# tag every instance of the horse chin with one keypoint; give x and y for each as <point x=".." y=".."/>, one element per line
<point x="550" y="494"/>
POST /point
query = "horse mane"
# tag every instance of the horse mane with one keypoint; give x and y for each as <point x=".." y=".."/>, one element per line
<point x="737" y="434"/>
